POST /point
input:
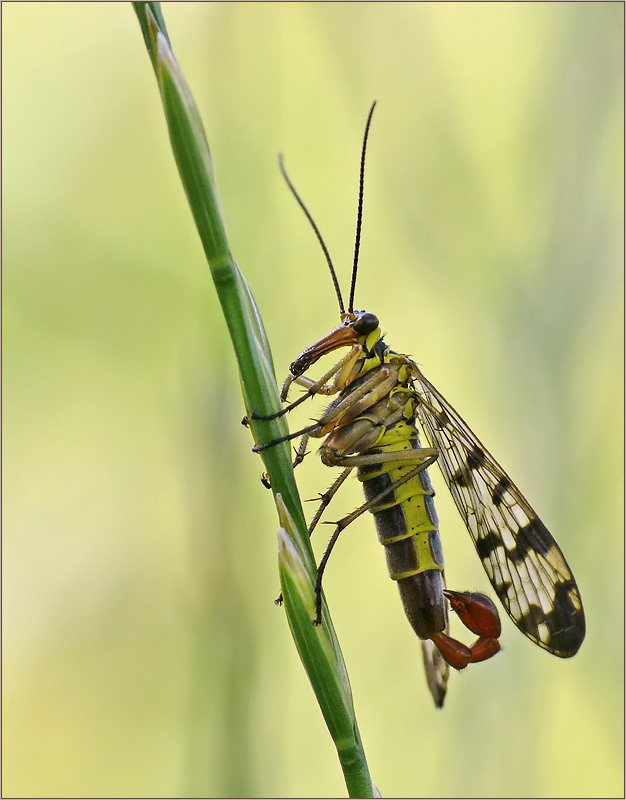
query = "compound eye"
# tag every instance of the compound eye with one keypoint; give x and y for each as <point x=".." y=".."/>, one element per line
<point x="365" y="323"/>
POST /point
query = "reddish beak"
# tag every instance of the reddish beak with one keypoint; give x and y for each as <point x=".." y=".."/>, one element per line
<point x="343" y="336"/>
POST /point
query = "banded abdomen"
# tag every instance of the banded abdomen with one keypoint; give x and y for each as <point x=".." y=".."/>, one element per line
<point x="408" y="528"/>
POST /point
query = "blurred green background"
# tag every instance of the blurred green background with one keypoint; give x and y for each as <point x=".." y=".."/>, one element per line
<point x="142" y="652"/>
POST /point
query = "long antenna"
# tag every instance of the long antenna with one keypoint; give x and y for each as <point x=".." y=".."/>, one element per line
<point x="359" y="216"/>
<point x="317" y="233"/>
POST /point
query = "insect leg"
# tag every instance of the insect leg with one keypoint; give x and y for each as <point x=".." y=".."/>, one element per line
<point x="430" y="453"/>
<point x="373" y="387"/>
<point x="320" y="386"/>
<point x="313" y="387"/>
<point x="326" y="497"/>
<point x="302" y="432"/>
<point x="300" y="452"/>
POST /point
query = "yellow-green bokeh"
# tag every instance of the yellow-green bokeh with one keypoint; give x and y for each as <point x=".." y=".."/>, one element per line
<point x="142" y="653"/>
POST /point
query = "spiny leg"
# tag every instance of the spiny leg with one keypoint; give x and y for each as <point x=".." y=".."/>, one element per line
<point x="326" y="497"/>
<point x="301" y="450"/>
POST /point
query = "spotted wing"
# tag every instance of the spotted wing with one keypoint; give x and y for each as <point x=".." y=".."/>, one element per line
<point x="525" y="565"/>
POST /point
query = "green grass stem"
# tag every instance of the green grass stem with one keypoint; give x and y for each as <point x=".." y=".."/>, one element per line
<point x="317" y="646"/>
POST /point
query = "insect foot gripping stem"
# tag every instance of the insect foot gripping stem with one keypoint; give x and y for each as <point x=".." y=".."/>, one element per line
<point x="479" y="615"/>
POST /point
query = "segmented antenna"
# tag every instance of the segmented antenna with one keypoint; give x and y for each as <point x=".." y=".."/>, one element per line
<point x="342" y="310"/>
<point x="359" y="216"/>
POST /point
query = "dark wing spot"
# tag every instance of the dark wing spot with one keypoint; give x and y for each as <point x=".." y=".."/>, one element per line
<point x="532" y="617"/>
<point x="503" y="485"/>
<point x="502" y="588"/>
<point x="476" y="458"/>
<point x="536" y="536"/>
<point x="462" y="477"/>
<point x="486" y="545"/>
<point x="565" y="621"/>
<point x="521" y="550"/>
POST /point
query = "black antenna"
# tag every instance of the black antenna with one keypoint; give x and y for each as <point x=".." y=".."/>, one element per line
<point x="317" y="233"/>
<point x="359" y="215"/>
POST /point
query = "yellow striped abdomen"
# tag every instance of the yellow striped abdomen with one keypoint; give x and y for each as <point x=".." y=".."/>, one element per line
<point x="408" y="528"/>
